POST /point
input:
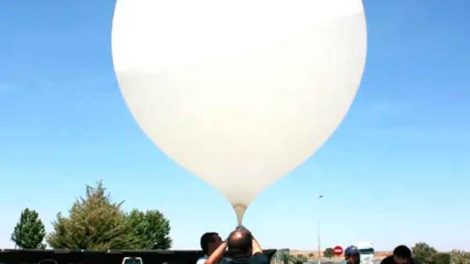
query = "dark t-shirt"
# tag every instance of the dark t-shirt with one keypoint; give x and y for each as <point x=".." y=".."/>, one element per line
<point x="258" y="258"/>
<point x="389" y="260"/>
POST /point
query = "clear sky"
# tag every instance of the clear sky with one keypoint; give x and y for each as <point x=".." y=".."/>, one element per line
<point x="396" y="171"/>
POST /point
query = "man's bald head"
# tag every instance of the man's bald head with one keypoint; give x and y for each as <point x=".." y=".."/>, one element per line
<point x="240" y="241"/>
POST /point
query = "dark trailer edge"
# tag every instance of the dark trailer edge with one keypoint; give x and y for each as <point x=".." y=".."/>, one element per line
<point x="25" y="256"/>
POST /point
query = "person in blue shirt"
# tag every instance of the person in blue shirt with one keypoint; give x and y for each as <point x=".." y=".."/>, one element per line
<point x="351" y="255"/>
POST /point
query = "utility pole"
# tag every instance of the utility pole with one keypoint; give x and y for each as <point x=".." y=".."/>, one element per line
<point x="318" y="231"/>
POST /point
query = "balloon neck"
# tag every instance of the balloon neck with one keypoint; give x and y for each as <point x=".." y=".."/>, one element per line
<point x="240" y="210"/>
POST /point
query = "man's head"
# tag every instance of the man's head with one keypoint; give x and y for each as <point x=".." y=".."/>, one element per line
<point x="239" y="242"/>
<point x="209" y="242"/>
<point x="351" y="255"/>
<point x="402" y="255"/>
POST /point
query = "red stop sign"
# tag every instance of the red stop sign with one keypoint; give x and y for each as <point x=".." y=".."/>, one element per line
<point x="338" y="250"/>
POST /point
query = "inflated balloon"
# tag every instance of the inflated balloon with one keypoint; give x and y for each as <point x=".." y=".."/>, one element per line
<point x="239" y="92"/>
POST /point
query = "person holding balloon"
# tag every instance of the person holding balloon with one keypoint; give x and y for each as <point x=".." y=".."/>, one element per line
<point x="242" y="247"/>
<point x="210" y="241"/>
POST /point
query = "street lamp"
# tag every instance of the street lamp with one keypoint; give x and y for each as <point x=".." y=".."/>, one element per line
<point x="318" y="232"/>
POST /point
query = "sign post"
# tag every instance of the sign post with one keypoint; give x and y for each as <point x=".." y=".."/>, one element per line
<point x="338" y="251"/>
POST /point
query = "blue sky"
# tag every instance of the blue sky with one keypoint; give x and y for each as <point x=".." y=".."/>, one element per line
<point x="396" y="171"/>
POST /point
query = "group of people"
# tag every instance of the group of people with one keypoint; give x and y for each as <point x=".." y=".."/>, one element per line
<point x="401" y="255"/>
<point x="239" y="248"/>
<point x="242" y="248"/>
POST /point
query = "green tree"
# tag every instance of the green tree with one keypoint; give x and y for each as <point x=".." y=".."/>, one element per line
<point x="329" y="252"/>
<point x="424" y="253"/>
<point x="298" y="259"/>
<point x="29" y="232"/>
<point x="441" y="258"/>
<point x="459" y="257"/>
<point x="94" y="223"/>
<point x="286" y="257"/>
<point x="151" y="229"/>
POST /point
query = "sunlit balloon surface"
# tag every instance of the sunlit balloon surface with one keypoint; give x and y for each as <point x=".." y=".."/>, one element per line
<point x="239" y="92"/>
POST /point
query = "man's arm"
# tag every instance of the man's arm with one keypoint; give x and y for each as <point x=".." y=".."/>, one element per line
<point x="217" y="255"/>
<point x="256" y="247"/>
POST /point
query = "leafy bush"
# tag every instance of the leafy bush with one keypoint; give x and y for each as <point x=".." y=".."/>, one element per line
<point x="329" y="252"/>
<point x="459" y="257"/>
<point x="424" y="253"/>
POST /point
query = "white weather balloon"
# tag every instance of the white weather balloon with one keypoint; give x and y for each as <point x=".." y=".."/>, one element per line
<point x="239" y="92"/>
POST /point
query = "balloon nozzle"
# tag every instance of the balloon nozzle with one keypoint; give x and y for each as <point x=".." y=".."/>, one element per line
<point x="240" y="210"/>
